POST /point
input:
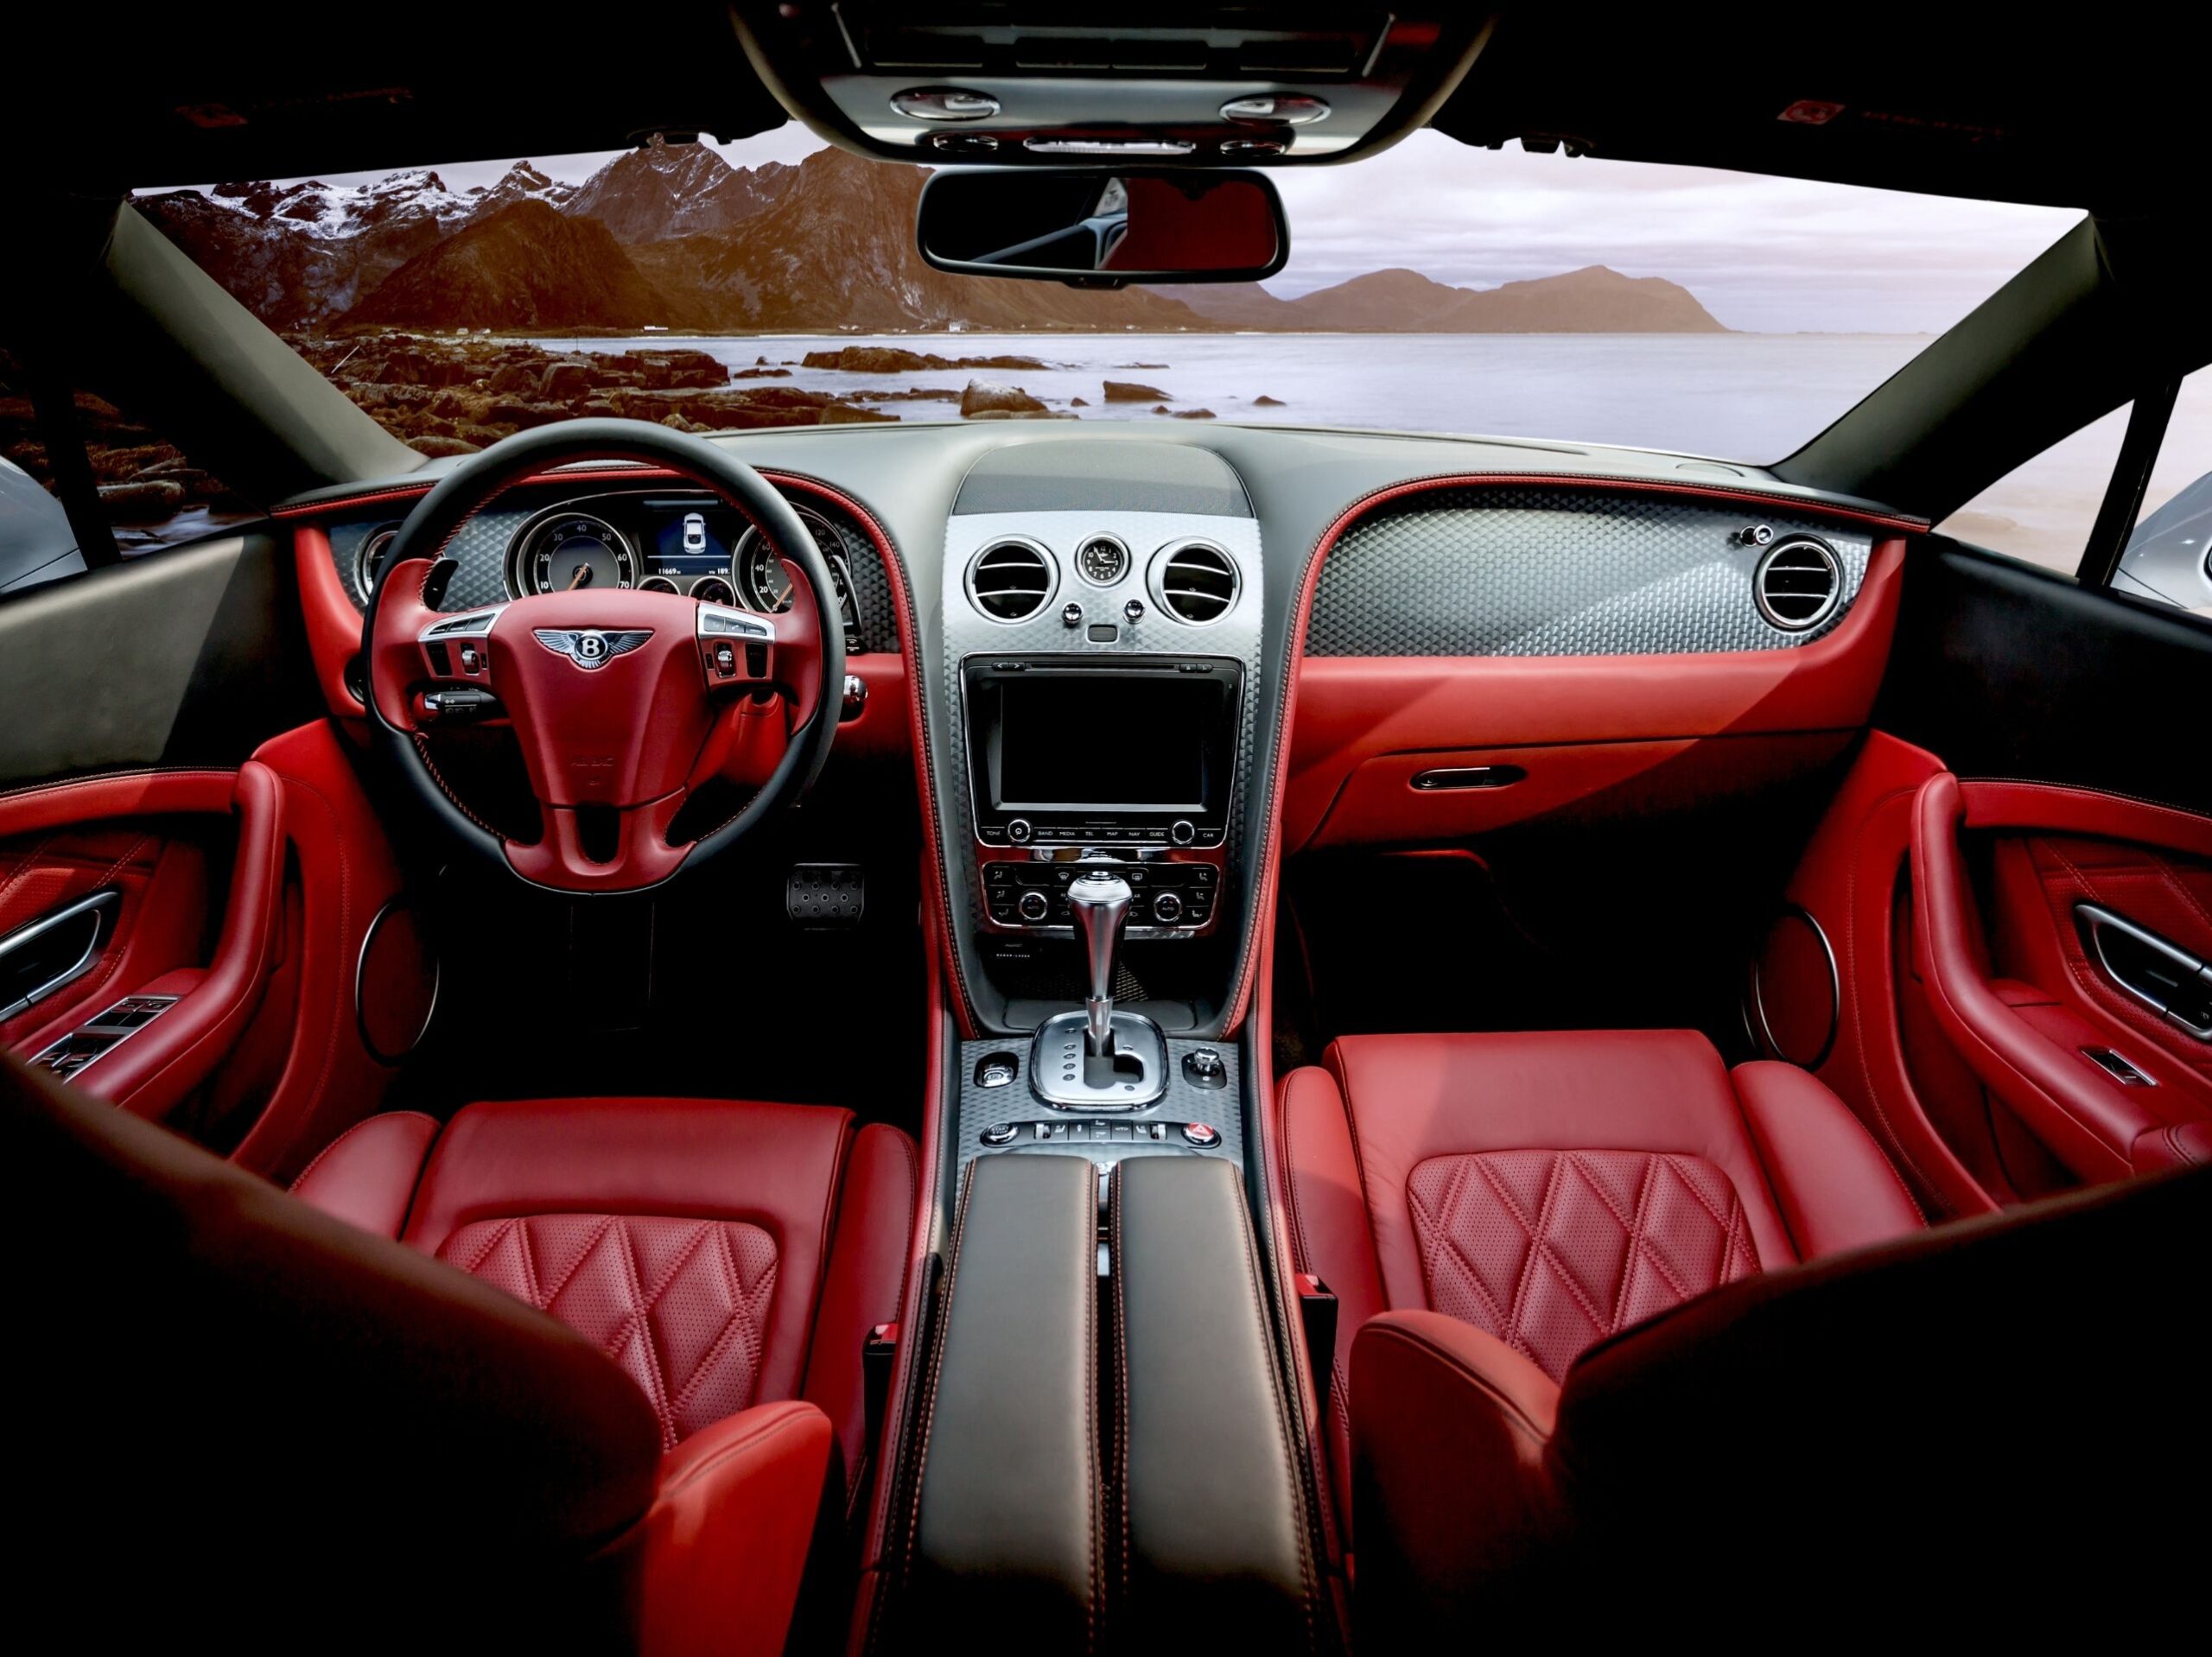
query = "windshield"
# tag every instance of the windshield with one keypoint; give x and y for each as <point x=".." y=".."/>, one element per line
<point x="775" y="282"/>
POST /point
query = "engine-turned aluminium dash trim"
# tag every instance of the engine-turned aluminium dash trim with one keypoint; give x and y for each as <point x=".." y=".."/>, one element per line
<point x="1525" y="571"/>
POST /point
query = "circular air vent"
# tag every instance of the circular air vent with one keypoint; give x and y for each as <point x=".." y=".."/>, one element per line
<point x="1195" y="581"/>
<point x="1797" y="583"/>
<point x="1011" y="581"/>
<point x="368" y="559"/>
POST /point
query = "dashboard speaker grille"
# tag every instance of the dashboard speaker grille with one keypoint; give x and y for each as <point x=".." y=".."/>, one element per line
<point x="1797" y="583"/>
<point x="1198" y="583"/>
<point x="1010" y="580"/>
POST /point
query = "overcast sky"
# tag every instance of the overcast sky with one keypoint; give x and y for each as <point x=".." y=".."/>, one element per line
<point x="1763" y="254"/>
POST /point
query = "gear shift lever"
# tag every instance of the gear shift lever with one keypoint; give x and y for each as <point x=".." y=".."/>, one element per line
<point x="1101" y="903"/>
<point x="1099" y="1058"/>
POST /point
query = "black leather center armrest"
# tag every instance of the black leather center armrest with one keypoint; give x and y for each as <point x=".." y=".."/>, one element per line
<point x="1210" y="1499"/>
<point x="1007" y="1549"/>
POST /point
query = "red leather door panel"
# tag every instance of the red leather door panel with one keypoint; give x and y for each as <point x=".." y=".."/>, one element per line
<point x="246" y="895"/>
<point x="156" y="840"/>
<point x="2013" y="987"/>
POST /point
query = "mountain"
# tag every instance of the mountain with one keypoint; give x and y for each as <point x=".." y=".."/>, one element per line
<point x="665" y="191"/>
<point x="295" y="254"/>
<point x="1594" y="300"/>
<point x="836" y="250"/>
<point x="527" y="266"/>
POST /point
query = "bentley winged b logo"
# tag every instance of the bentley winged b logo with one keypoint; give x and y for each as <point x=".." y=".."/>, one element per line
<point x="589" y="647"/>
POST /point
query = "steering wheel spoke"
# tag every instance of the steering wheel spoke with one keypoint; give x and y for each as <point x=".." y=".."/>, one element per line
<point x="618" y="698"/>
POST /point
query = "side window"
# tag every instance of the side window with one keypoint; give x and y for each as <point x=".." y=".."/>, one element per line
<point x="2169" y="556"/>
<point x="150" y="494"/>
<point x="2042" y="510"/>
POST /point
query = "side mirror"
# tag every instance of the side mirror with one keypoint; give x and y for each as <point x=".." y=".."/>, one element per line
<point x="1103" y="229"/>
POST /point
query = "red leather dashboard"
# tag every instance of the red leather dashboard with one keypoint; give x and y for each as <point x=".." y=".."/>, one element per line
<point x="1577" y="725"/>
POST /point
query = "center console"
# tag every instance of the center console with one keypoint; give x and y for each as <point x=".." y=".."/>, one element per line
<point x="1102" y="606"/>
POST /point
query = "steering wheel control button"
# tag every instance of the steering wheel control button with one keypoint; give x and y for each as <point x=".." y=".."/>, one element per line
<point x="998" y="1133"/>
<point x="1205" y="1069"/>
<point x="1019" y="832"/>
<point x="1202" y="1136"/>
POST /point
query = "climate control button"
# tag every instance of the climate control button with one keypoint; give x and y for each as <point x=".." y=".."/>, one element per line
<point x="1034" y="906"/>
<point x="1167" y="908"/>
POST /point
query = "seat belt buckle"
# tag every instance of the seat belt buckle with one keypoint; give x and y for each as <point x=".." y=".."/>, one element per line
<point x="878" y="1356"/>
<point x="1316" y="1312"/>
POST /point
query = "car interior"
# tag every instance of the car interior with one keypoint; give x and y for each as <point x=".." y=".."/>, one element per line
<point x="1075" y="1034"/>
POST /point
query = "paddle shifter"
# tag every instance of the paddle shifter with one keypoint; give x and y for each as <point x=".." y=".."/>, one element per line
<point x="1101" y="903"/>
<point x="1099" y="1058"/>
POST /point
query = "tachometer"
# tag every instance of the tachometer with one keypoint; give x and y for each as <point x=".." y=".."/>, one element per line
<point x="570" y="550"/>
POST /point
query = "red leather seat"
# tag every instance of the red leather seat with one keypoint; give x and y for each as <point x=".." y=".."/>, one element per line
<point x="1551" y="1189"/>
<point x="1630" y="1340"/>
<point x="279" y="1413"/>
<point x="723" y="1252"/>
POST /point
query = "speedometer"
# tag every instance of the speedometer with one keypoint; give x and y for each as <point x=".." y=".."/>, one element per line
<point x="571" y="550"/>
<point x="763" y="582"/>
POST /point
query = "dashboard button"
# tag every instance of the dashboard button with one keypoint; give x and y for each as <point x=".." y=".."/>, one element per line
<point x="1019" y="832"/>
<point x="1203" y="1135"/>
<point x="1034" y="906"/>
<point x="1167" y="908"/>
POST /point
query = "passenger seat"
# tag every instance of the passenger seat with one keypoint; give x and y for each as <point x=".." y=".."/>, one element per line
<point x="1552" y="1188"/>
<point x="1630" y="1340"/>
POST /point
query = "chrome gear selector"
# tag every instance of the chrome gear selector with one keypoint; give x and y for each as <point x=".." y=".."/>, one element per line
<point x="1100" y="902"/>
<point x="1099" y="1058"/>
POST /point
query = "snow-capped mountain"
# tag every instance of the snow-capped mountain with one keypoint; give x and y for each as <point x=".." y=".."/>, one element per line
<point x="300" y="254"/>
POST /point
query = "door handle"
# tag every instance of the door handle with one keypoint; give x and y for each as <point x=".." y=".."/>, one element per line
<point x="2164" y="976"/>
<point x="52" y="951"/>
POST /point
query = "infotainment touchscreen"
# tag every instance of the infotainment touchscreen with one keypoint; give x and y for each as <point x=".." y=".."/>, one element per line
<point x="1105" y="740"/>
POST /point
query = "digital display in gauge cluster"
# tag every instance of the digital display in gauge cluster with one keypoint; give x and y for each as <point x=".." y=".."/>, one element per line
<point x="689" y="538"/>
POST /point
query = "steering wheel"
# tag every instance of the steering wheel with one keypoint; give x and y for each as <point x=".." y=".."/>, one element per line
<point x="624" y="703"/>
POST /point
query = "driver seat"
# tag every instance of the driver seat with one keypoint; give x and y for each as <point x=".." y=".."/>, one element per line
<point x="344" y="1410"/>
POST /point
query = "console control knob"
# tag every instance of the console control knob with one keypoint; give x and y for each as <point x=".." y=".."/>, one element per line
<point x="1167" y="908"/>
<point x="1203" y="1135"/>
<point x="1034" y="906"/>
<point x="1182" y="832"/>
<point x="998" y="1133"/>
<point x="1019" y="831"/>
<point x="1205" y="1069"/>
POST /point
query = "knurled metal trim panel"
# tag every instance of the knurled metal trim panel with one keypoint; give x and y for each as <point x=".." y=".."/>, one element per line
<point x="480" y="546"/>
<point x="1183" y="1101"/>
<point x="969" y="632"/>
<point x="1540" y="572"/>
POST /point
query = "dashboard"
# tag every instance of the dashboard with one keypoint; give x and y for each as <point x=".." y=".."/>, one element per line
<point x="1188" y="655"/>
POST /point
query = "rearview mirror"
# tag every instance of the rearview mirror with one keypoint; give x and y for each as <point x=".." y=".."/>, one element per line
<point x="1103" y="229"/>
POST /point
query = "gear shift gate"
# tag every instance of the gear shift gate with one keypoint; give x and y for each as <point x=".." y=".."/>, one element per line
<point x="1099" y="1058"/>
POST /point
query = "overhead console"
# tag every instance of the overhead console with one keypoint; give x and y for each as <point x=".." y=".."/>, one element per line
<point x="1206" y="82"/>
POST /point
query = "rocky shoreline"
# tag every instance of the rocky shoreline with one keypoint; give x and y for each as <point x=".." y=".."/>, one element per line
<point x="453" y="394"/>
